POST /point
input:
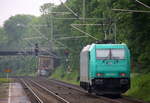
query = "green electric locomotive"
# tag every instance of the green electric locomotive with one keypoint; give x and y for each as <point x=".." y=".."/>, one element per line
<point x="105" y="68"/>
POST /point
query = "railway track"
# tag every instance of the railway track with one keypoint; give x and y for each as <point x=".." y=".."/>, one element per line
<point x="40" y="94"/>
<point x="68" y="93"/>
<point x="122" y="99"/>
<point x="34" y="97"/>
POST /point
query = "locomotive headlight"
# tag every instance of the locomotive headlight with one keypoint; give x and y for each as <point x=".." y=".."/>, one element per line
<point x="122" y="74"/>
<point x="100" y="74"/>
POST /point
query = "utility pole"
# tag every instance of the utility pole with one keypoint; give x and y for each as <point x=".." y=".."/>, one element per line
<point x="52" y="25"/>
<point x="52" y="28"/>
<point x="105" y="35"/>
<point x="49" y="13"/>
<point x="83" y="12"/>
<point x="115" y="31"/>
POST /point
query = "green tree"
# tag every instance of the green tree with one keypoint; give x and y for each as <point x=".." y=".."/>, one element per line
<point x="15" y="28"/>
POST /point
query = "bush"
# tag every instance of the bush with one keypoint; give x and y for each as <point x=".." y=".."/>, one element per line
<point x="140" y="86"/>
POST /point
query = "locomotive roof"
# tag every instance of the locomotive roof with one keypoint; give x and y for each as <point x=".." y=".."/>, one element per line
<point x="106" y="46"/>
<point x="111" y="45"/>
<point x="103" y="46"/>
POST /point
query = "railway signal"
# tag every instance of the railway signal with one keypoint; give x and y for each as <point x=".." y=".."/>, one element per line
<point x="36" y="50"/>
<point x="66" y="52"/>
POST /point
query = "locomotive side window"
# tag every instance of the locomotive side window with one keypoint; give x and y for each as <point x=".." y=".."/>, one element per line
<point x="117" y="54"/>
<point x="102" y="53"/>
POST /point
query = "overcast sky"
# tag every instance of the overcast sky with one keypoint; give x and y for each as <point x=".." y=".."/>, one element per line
<point x="12" y="7"/>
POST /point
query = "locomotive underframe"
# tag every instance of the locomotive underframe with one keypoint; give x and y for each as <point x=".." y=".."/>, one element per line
<point x="107" y="85"/>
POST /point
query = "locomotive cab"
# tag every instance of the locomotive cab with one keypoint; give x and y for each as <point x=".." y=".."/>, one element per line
<point x="105" y="68"/>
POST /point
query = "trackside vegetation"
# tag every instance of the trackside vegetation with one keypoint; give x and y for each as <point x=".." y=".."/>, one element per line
<point x="69" y="77"/>
<point x="140" y="87"/>
<point x="5" y="80"/>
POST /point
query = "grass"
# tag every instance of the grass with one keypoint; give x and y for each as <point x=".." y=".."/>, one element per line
<point x="63" y="75"/>
<point x="140" y="87"/>
<point x="4" y="87"/>
<point x="4" y="80"/>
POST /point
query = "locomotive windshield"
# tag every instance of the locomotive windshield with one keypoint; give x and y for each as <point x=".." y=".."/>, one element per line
<point x="103" y="54"/>
<point x="110" y="54"/>
<point x="117" y="53"/>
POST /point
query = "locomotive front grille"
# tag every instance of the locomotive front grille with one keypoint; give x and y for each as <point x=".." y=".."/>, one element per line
<point x="111" y="82"/>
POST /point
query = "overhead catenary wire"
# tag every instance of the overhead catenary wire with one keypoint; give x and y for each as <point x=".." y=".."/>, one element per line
<point x="73" y="37"/>
<point x="60" y="43"/>
<point x="62" y="13"/>
<point x="42" y="36"/>
<point x="52" y="55"/>
<point x="83" y="32"/>
<point x="46" y="50"/>
<point x="38" y="37"/>
<point x="142" y="4"/>
<point x="75" y="14"/>
<point x="52" y="40"/>
<point x="78" y="18"/>
<point x="124" y="10"/>
<point x="89" y="24"/>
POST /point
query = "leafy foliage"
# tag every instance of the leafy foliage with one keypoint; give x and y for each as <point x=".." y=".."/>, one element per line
<point x="140" y="86"/>
<point x="132" y="29"/>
